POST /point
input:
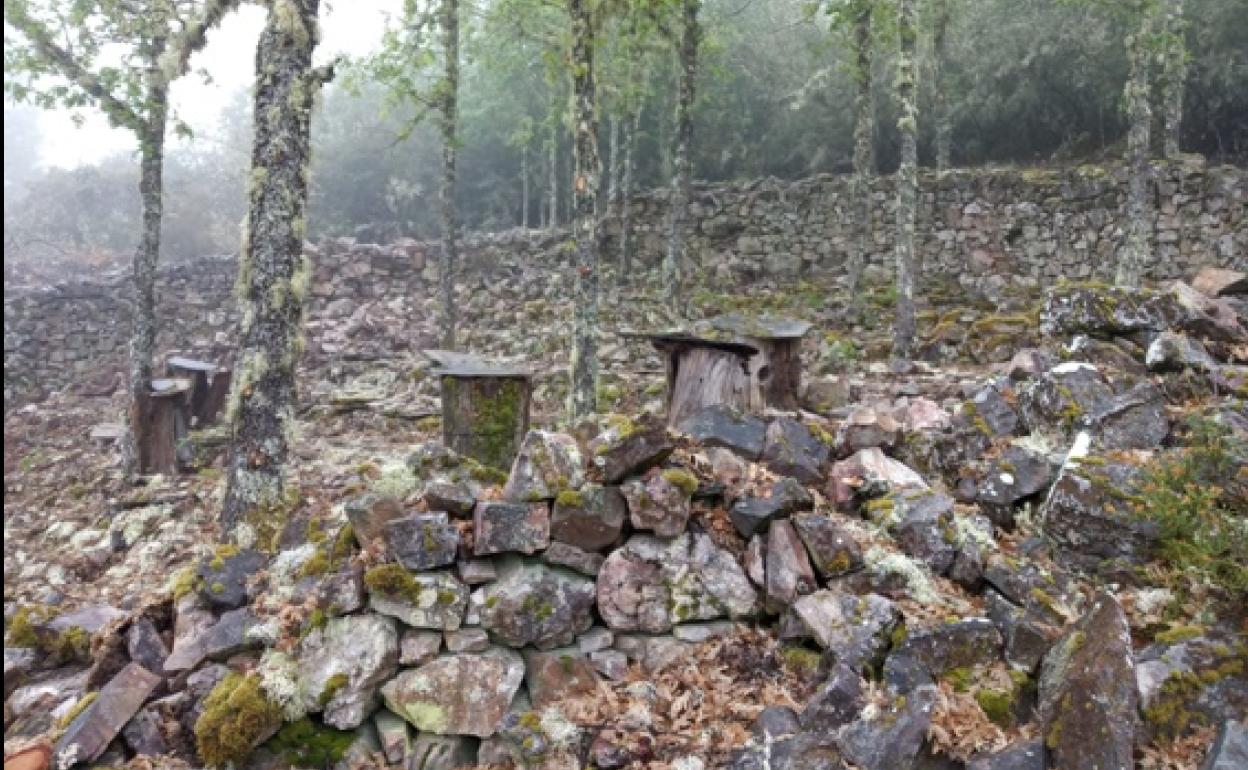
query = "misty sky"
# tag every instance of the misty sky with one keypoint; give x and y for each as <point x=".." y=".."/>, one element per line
<point x="352" y="27"/>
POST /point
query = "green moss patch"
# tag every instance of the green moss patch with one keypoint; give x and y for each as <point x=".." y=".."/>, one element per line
<point x="237" y="716"/>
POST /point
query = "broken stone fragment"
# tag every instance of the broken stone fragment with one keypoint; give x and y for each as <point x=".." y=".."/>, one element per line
<point x="752" y="515"/>
<point x="87" y="737"/>
<point x="565" y="555"/>
<point x="1022" y="755"/>
<point x="342" y="593"/>
<point x="923" y="525"/>
<point x="535" y="604"/>
<point x="924" y="414"/>
<point x="369" y="513"/>
<point x="225" y="637"/>
<point x="145" y="645"/>
<point x="630" y="447"/>
<point x="422" y="541"/>
<point x="788" y="570"/>
<point x="961" y="644"/>
<point x="865" y="427"/>
<point x="467" y="640"/>
<point x="222" y="579"/>
<point x="723" y="426"/>
<point x="464" y="694"/>
<point x="1013" y="477"/>
<point x="833" y="550"/>
<point x="1061" y="400"/>
<point x="546" y="464"/>
<point x="991" y="411"/>
<point x="791" y="449"/>
<point x="651" y="583"/>
<point x="454" y="497"/>
<point x="889" y="738"/>
<point x="558" y="674"/>
<point x="394" y="735"/>
<point x="18" y="663"/>
<point x="657" y="503"/>
<point x="837" y="701"/>
<point x="342" y="664"/>
<point x="590" y="517"/>
<point x="1107" y="310"/>
<point x="869" y="473"/>
<point x="474" y="572"/>
<point x="1087" y="692"/>
<point x="510" y="527"/>
<point x="418" y="646"/>
<point x="854" y="629"/>
<point x="425" y="600"/>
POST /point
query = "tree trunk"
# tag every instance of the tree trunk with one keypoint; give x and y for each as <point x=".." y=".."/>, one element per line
<point x="940" y="51"/>
<point x="682" y="183"/>
<point x="553" y="218"/>
<point x="273" y="274"/>
<point x="864" y="166"/>
<point x="907" y="181"/>
<point x="1174" y="73"/>
<point x="626" y="189"/>
<point x="524" y="186"/>
<point x="146" y="258"/>
<point x="1139" y="119"/>
<point x="449" y="212"/>
<point x="585" y="224"/>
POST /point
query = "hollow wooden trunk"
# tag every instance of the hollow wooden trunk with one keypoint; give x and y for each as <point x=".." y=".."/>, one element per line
<point x="777" y="371"/>
<point x="485" y="418"/>
<point x="163" y="422"/>
<point x="210" y="386"/>
<point x="701" y="376"/>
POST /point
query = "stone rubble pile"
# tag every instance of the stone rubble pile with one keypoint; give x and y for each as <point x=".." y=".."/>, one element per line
<point x="444" y="627"/>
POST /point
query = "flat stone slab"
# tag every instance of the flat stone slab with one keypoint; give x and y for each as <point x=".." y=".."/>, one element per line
<point x="95" y="728"/>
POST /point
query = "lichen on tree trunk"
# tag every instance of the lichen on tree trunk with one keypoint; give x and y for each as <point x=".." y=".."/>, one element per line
<point x="626" y="189"/>
<point x="1139" y="119"/>
<point x="682" y="160"/>
<point x="587" y="170"/>
<point x="907" y="180"/>
<point x="448" y="211"/>
<point x="864" y="156"/>
<point x="940" y="99"/>
<point x="1173" y="75"/>
<point x="146" y="258"/>
<point x="273" y="272"/>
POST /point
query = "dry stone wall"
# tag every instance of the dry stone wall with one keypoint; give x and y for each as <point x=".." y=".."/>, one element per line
<point x="984" y="226"/>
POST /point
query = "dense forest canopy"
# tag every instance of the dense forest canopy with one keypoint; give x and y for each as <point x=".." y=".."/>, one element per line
<point x="1026" y="81"/>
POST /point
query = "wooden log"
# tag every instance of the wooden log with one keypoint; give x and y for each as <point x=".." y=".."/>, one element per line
<point x="210" y="386"/>
<point x="485" y="417"/>
<point x="699" y="376"/>
<point x="777" y="366"/>
<point x="163" y="425"/>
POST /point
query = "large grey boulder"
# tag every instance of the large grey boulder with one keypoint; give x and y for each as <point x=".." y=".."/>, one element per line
<point x="465" y="694"/>
<point x="533" y="604"/>
<point x="342" y="664"/>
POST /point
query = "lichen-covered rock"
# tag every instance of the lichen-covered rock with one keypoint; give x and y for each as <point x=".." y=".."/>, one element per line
<point x="1023" y="755"/>
<point x="791" y="449"/>
<point x="591" y="517"/>
<point x="1088" y="515"/>
<point x="923" y="525"/>
<point x="546" y="464"/>
<point x="629" y="447"/>
<point x="1107" y="310"/>
<point x="869" y="473"/>
<point x="369" y="513"/>
<point x="422" y="541"/>
<point x="651" y="584"/>
<point x="535" y="604"/>
<point x="558" y="674"/>
<point x="216" y="640"/>
<point x="960" y="644"/>
<point x="1087" y="694"/>
<point x="1230" y="748"/>
<point x="466" y="694"/>
<point x="658" y="503"/>
<point x="342" y="664"/>
<point x="418" y="646"/>
<point x="1190" y="676"/>
<point x="565" y="555"/>
<point x="854" y="629"/>
<point x="991" y="410"/>
<point x="1208" y="317"/>
<point x="426" y="600"/>
<point x="442" y="752"/>
<point x="865" y="427"/>
<point x="1062" y="399"/>
<point x="753" y="514"/>
<point x="455" y="497"/>
<point x="788" y="570"/>
<point x="723" y="426"/>
<point x="500" y="527"/>
<point x="222" y="579"/>
<point x="890" y="738"/>
<point x="1172" y="351"/>
<point x="1013" y="477"/>
<point x="832" y="548"/>
<point x="837" y="701"/>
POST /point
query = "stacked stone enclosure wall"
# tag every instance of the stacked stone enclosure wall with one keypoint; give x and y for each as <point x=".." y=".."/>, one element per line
<point x="1029" y="225"/>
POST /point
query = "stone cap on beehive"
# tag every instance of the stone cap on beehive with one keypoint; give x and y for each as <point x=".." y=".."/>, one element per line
<point x="454" y="364"/>
<point x="761" y="327"/>
<point x="676" y="338"/>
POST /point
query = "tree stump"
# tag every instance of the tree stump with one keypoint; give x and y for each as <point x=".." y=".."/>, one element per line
<point x="705" y="372"/>
<point x="161" y="444"/>
<point x="210" y="386"/>
<point x="485" y="406"/>
<point x="777" y="366"/>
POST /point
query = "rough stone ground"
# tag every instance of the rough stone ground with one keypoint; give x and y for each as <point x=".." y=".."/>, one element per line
<point x="77" y="535"/>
